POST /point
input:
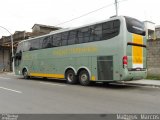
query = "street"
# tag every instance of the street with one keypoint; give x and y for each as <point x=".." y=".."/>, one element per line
<point x="55" y="96"/>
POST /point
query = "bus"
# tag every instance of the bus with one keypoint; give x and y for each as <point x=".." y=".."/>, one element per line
<point x="108" y="51"/>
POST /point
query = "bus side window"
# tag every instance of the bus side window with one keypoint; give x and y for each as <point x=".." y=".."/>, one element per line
<point x="40" y="43"/>
<point x="26" y="46"/>
<point x="20" y="47"/>
<point x="110" y="29"/>
<point x="72" y="37"/>
<point x="47" y="42"/>
<point x="84" y="35"/>
<point x="96" y="33"/>
<point x="116" y="26"/>
<point x="64" y="38"/>
<point x="34" y="44"/>
<point x="57" y="40"/>
<point x="80" y="36"/>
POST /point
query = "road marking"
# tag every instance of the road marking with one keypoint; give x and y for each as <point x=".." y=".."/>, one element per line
<point x="10" y="90"/>
<point x="52" y="84"/>
<point x="5" y="78"/>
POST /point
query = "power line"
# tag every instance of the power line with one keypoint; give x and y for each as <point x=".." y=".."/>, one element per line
<point x="83" y="15"/>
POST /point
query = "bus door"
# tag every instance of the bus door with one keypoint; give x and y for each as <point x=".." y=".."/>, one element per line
<point x="18" y="55"/>
<point x="18" y="58"/>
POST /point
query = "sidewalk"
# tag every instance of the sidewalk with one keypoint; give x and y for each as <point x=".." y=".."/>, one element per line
<point x="7" y="73"/>
<point x="145" y="82"/>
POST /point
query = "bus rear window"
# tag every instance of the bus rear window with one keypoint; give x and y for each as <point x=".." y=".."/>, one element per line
<point x="135" y="26"/>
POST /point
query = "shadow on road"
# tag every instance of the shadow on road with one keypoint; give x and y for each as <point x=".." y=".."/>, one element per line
<point x="114" y="85"/>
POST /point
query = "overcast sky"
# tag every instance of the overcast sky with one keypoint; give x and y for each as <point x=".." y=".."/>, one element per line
<point x="19" y="15"/>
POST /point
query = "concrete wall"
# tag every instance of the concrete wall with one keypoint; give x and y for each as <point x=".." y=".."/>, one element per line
<point x="153" y="57"/>
<point x="158" y="32"/>
<point x="5" y="59"/>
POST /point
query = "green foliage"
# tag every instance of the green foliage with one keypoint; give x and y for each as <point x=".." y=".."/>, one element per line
<point x="153" y="77"/>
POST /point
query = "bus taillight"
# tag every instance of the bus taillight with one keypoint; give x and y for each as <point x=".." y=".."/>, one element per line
<point x="125" y="61"/>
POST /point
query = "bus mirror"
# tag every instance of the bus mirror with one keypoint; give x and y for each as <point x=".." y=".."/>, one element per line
<point x="18" y="56"/>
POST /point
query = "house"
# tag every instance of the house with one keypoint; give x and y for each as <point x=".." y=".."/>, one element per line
<point x="39" y="29"/>
<point x="5" y="43"/>
<point x="150" y="30"/>
<point x="158" y="31"/>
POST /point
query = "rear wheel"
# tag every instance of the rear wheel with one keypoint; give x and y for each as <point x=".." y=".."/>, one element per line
<point x="84" y="78"/>
<point x="25" y="74"/>
<point x="71" y="77"/>
<point x="45" y="78"/>
<point x="106" y="83"/>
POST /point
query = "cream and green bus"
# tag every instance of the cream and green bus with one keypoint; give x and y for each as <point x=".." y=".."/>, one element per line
<point x="108" y="51"/>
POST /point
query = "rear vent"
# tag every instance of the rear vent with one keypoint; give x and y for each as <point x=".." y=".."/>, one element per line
<point x="105" y="67"/>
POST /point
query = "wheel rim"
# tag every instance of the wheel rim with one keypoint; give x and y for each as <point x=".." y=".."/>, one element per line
<point x="70" y="77"/>
<point x="25" y="74"/>
<point x="84" y="78"/>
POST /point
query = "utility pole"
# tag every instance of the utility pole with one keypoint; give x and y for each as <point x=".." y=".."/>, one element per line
<point x="116" y="7"/>
<point x="11" y="46"/>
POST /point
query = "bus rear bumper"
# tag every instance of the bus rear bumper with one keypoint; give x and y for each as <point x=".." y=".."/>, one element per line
<point x="134" y="75"/>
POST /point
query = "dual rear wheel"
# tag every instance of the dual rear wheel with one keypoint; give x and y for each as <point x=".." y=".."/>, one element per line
<point x="83" y="77"/>
<point x="71" y="77"/>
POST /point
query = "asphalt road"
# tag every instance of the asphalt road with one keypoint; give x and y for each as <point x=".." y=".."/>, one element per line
<point x="54" y="96"/>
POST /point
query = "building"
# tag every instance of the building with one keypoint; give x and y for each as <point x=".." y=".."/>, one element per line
<point x="158" y="31"/>
<point x="5" y="43"/>
<point x="153" y="52"/>
<point x="150" y="30"/>
<point x="39" y="29"/>
<point x="5" y="58"/>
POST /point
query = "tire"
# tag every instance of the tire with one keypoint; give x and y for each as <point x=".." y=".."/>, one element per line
<point x="25" y="74"/>
<point x="71" y="77"/>
<point x="45" y="78"/>
<point x="106" y="83"/>
<point x="84" y="78"/>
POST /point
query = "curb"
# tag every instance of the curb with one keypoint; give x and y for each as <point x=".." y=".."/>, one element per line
<point x="142" y="84"/>
<point x="9" y="73"/>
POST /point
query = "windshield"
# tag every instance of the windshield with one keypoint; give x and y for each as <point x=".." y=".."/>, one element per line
<point x="135" y="26"/>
